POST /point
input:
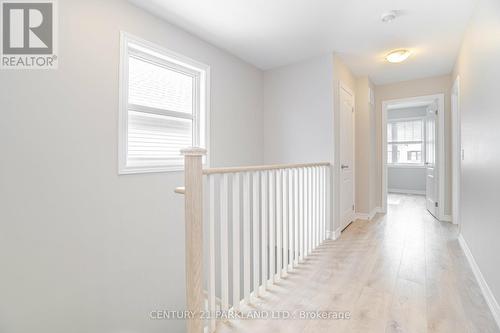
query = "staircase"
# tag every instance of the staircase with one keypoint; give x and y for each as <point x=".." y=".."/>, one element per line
<point x="247" y="228"/>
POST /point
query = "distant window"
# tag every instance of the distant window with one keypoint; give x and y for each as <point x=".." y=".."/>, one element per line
<point x="405" y="142"/>
<point x="163" y="107"/>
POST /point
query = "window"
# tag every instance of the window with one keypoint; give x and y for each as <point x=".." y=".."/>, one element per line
<point x="163" y="107"/>
<point x="405" y="142"/>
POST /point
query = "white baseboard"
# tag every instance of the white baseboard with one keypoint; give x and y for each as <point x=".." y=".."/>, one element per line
<point x="368" y="216"/>
<point x="446" y="218"/>
<point x="404" y="191"/>
<point x="337" y="233"/>
<point x="333" y="235"/>
<point x="488" y="295"/>
<point x="330" y="235"/>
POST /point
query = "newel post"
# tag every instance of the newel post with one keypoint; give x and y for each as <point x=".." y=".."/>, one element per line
<point x="193" y="199"/>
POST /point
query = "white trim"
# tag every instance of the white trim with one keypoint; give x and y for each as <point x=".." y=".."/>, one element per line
<point x="333" y="235"/>
<point x="440" y="158"/>
<point x="456" y="152"/>
<point x="200" y="73"/>
<point x="362" y="216"/>
<point x="447" y="218"/>
<point x="330" y="235"/>
<point x="368" y="216"/>
<point x="405" y="166"/>
<point x="405" y="191"/>
<point x="400" y="119"/>
<point x="488" y="295"/>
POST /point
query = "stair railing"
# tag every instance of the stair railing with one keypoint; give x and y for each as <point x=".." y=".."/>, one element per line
<point x="261" y="221"/>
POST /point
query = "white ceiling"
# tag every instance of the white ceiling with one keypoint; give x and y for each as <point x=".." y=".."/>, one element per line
<point x="272" y="33"/>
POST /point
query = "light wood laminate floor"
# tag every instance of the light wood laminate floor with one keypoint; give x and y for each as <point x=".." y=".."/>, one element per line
<point x="402" y="272"/>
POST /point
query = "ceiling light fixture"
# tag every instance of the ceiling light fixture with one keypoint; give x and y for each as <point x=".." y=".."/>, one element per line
<point x="397" y="56"/>
<point x="389" y="16"/>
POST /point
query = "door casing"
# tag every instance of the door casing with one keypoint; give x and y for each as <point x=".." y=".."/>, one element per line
<point x="440" y="156"/>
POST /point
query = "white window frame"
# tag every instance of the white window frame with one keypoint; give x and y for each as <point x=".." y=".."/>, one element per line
<point x="408" y="165"/>
<point x="201" y="99"/>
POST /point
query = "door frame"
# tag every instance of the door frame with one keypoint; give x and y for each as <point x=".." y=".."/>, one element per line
<point x="440" y="157"/>
<point x="456" y="152"/>
<point x="337" y="163"/>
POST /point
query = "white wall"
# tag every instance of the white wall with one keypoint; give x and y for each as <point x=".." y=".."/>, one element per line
<point x="301" y="118"/>
<point x="479" y="69"/>
<point x="365" y="147"/>
<point x="411" y="179"/>
<point x="406" y="179"/>
<point x="81" y="248"/>
<point x="298" y="112"/>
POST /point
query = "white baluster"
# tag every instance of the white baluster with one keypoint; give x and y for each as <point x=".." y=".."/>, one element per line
<point x="211" y="252"/>
<point x="309" y="210"/>
<point x="314" y="209"/>
<point x="246" y="236"/>
<point x="306" y="211"/>
<point x="255" y="232"/>
<point x="236" y="240"/>
<point x="320" y="194"/>
<point x="323" y="203"/>
<point x="285" y="221"/>
<point x="301" y="215"/>
<point x="279" y="213"/>
<point x="224" y="251"/>
<point x="326" y="200"/>
<point x="264" y="219"/>
<point x="290" y="217"/>
<point x="328" y="193"/>
<point x="296" y="216"/>
<point x="272" y="225"/>
<point x="318" y="199"/>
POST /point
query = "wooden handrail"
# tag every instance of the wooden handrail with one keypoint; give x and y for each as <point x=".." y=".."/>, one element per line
<point x="211" y="171"/>
<point x="310" y="185"/>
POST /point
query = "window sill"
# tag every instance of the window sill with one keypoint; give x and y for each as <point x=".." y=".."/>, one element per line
<point x="137" y="170"/>
<point x="128" y="170"/>
<point x="406" y="166"/>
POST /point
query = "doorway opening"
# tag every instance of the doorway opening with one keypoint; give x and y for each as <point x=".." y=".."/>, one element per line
<point x="413" y="150"/>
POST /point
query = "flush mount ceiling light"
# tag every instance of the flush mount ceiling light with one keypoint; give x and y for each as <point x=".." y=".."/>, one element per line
<point x="397" y="56"/>
<point x="389" y="16"/>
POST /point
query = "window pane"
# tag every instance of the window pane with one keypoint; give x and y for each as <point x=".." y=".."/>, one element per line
<point x="406" y="131"/>
<point x="389" y="153"/>
<point x="159" y="87"/>
<point x="389" y="132"/>
<point x="156" y="140"/>
<point x="409" y="153"/>
<point x="417" y="131"/>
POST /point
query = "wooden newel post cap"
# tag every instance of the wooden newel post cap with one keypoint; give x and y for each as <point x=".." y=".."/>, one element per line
<point x="193" y="151"/>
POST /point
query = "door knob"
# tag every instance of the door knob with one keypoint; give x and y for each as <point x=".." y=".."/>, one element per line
<point x="344" y="166"/>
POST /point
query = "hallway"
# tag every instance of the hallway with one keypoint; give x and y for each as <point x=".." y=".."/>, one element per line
<point x="402" y="272"/>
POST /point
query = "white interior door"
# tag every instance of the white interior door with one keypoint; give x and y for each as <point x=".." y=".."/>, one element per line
<point x="346" y="157"/>
<point x="430" y="161"/>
